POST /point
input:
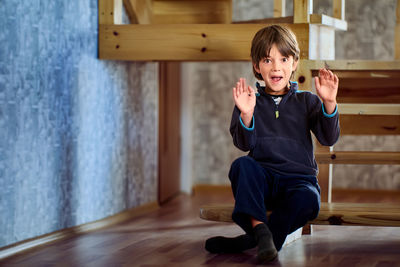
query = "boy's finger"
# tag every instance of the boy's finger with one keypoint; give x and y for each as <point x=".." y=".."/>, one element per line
<point x="336" y="79"/>
<point x="250" y="90"/>
<point x="317" y="83"/>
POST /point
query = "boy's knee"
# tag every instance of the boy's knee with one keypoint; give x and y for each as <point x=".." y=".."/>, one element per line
<point x="307" y="202"/>
<point x="240" y="164"/>
<point x="242" y="161"/>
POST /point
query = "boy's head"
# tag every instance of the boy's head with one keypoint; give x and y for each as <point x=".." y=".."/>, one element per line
<point x="283" y="39"/>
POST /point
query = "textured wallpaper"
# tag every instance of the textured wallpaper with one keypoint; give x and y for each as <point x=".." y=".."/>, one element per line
<point x="370" y="35"/>
<point x="78" y="138"/>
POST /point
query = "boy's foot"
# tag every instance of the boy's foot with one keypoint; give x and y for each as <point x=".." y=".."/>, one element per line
<point x="221" y="244"/>
<point x="266" y="248"/>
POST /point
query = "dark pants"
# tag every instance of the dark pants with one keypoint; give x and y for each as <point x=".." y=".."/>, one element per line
<point x="294" y="200"/>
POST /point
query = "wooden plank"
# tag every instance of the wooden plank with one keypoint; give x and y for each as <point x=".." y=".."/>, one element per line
<point x="339" y="9"/>
<point x="325" y="20"/>
<point x="169" y="146"/>
<point x="110" y="11"/>
<point x="190" y="42"/>
<point x="397" y="33"/>
<point x="357" y="157"/>
<point x="368" y="91"/>
<point x="281" y="20"/>
<point x="368" y="65"/>
<point x="366" y="214"/>
<point x="192" y="12"/>
<point x="139" y="11"/>
<point x="279" y="8"/>
<point x="369" y="125"/>
<point x="324" y="173"/>
<point x="50" y="238"/>
<point x="301" y="11"/>
<point x="369" y="109"/>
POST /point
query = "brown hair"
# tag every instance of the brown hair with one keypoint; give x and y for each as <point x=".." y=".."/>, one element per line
<point x="264" y="39"/>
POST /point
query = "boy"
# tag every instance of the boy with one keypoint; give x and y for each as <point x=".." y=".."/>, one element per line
<point x="274" y="125"/>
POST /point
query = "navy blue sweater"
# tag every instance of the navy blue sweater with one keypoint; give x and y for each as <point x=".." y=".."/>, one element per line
<point x="284" y="143"/>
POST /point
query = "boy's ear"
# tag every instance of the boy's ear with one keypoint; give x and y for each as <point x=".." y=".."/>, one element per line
<point x="256" y="67"/>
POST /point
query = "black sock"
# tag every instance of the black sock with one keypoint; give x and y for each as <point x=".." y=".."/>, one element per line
<point x="221" y="244"/>
<point x="266" y="248"/>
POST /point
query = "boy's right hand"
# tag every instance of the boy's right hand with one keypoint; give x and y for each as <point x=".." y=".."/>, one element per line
<point x="245" y="99"/>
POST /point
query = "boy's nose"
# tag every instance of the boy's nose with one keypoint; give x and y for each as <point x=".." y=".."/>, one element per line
<point x="276" y="65"/>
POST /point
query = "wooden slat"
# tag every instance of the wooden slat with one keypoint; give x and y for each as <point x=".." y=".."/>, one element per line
<point x="139" y="11"/>
<point x="370" y="109"/>
<point x="366" y="214"/>
<point x="368" y="65"/>
<point x="325" y="20"/>
<point x="357" y="157"/>
<point x="363" y="91"/>
<point x="110" y="11"/>
<point x="301" y="11"/>
<point x="397" y="33"/>
<point x="324" y="173"/>
<point x="339" y="9"/>
<point x="279" y="8"/>
<point x="369" y="125"/>
<point x="193" y="12"/>
<point x="191" y="42"/>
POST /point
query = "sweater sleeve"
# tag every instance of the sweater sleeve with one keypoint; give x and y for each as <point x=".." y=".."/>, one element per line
<point x="324" y="126"/>
<point x="244" y="137"/>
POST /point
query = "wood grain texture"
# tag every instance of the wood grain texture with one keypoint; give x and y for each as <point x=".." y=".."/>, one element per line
<point x="185" y="42"/>
<point x="357" y="157"/>
<point x="366" y="214"/>
<point x="174" y="235"/>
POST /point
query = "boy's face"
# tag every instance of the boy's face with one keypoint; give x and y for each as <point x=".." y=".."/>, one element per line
<point x="276" y="71"/>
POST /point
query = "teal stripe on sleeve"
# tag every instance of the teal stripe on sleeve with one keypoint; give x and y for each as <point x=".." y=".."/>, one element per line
<point x="244" y="126"/>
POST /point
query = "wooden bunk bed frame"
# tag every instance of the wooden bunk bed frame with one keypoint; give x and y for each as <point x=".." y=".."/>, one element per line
<point x="202" y="30"/>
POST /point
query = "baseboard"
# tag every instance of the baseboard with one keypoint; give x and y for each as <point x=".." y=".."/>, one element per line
<point x="36" y="242"/>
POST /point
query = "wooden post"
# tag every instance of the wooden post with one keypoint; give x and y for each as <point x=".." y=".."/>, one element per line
<point x="339" y="9"/>
<point x="324" y="175"/>
<point x="302" y="10"/>
<point x="110" y="11"/>
<point x="397" y="33"/>
<point x="279" y="8"/>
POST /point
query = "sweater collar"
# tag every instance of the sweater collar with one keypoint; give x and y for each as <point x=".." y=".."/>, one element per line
<point x="293" y="88"/>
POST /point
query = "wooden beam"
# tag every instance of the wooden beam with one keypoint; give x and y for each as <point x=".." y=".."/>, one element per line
<point x="397" y="33"/>
<point x="139" y="11"/>
<point x="192" y="12"/>
<point x="357" y="157"/>
<point x="279" y="8"/>
<point x="339" y="9"/>
<point x="369" y="125"/>
<point x="369" y="109"/>
<point x="185" y="42"/>
<point x="366" y="214"/>
<point x="302" y="10"/>
<point x="324" y="174"/>
<point x="110" y="11"/>
<point x="369" y="65"/>
<point x="325" y="20"/>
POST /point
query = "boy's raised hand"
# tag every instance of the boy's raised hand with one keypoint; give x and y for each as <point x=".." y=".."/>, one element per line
<point x="327" y="87"/>
<point x="245" y="99"/>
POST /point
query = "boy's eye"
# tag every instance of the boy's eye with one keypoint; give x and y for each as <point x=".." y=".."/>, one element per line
<point x="285" y="59"/>
<point x="267" y="60"/>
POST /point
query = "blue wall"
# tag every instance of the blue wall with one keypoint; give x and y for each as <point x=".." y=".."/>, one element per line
<point x="78" y="136"/>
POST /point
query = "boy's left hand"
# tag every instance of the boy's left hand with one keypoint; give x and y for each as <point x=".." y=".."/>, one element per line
<point x="327" y="86"/>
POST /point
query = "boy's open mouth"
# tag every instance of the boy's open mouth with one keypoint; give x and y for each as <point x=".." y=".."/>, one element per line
<point x="276" y="78"/>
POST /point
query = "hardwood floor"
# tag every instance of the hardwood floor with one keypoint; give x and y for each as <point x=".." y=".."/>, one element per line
<point x="174" y="236"/>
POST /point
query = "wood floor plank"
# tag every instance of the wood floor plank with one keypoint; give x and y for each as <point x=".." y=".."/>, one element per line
<point x="174" y="235"/>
